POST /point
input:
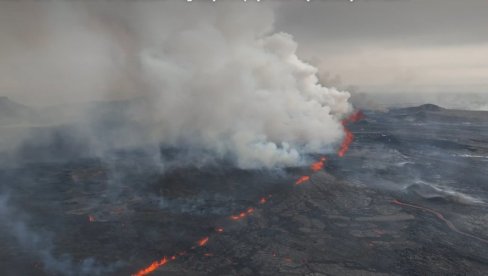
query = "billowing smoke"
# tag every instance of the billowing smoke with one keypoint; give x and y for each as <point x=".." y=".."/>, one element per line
<point x="217" y="78"/>
<point x="226" y="85"/>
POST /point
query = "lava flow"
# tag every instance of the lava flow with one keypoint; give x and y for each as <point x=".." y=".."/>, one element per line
<point x="319" y="165"/>
<point x="155" y="265"/>
<point x="356" y="116"/>
<point x="302" y="180"/>
<point x="314" y="167"/>
<point x="164" y="261"/>
<point x="242" y="215"/>
<point x="346" y="142"/>
<point x="203" y="241"/>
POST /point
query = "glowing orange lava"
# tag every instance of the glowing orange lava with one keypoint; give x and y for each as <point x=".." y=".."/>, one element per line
<point x="302" y="179"/>
<point x="155" y="265"/>
<point x="346" y="143"/>
<point x="314" y="167"/>
<point x="244" y="214"/>
<point x="319" y="165"/>
<point x="203" y="241"/>
<point x="356" y="116"/>
<point x="239" y="216"/>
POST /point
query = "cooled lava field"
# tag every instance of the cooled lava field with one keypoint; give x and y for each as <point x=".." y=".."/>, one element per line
<point x="407" y="198"/>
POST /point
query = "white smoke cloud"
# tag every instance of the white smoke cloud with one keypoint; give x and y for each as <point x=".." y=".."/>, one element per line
<point x="218" y="77"/>
<point x="240" y="89"/>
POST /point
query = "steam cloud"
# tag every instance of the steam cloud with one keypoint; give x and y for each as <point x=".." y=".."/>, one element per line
<point x="217" y="78"/>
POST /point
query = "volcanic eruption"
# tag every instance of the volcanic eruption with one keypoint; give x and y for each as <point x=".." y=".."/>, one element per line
<point x="188" y="138"/>
<point x="314" y="167"/>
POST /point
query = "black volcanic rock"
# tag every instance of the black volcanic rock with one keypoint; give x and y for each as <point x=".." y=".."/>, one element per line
<point x="344" y="221"/>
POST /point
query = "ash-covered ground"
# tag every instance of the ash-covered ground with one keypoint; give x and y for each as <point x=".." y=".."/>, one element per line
<point x="408" y="198"/>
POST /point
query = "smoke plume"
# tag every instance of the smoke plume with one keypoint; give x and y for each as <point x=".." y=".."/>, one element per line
<point x="215" y="77"/>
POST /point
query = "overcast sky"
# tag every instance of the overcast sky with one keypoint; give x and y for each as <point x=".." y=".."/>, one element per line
<point x="395" y="46"/>
<point x="373" y="46"/>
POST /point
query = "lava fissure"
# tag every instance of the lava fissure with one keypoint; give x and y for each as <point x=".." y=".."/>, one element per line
<point x="356" y="116"/>
<point x="152" y="267"/>
<point x="314" y="167"/>
<point x="302" y="179"/>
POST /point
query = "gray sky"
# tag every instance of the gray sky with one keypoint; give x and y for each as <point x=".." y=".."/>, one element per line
<point x="396" y="46"/>
<point x="69" y="52"/>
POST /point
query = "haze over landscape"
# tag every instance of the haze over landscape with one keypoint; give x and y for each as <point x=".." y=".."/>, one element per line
<point x="175" y="137"/>
<point x="406" y="49"/>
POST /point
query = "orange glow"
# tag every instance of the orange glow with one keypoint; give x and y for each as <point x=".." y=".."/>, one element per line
<point x="314" y="167"/>
<point x="219" y="230"/>
<point x="356" y="116"/>
<point x="203" y="241"/>
<point x="242" y="215"/>
<point x="302" y="179"/>
<point x="346" y="143"/>
<point x="155" y="265"/>
<point x="319" y="165"/>
<point x="239" y="216"/>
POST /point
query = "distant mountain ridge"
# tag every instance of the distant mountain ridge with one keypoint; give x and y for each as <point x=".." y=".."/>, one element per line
<point x="12" y="112"/>
<point x="424" y="107"/>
